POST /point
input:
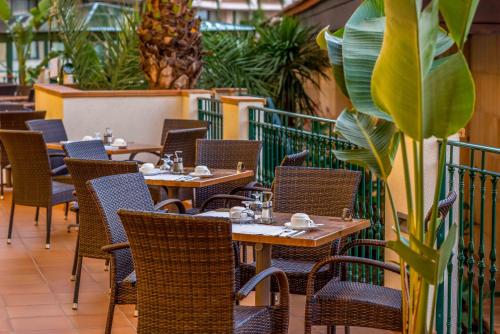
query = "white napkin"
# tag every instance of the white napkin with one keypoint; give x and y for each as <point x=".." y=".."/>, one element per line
<point x="218" y="214"/>
<point x="165" y="177"/>
<point x="258" y="229"/>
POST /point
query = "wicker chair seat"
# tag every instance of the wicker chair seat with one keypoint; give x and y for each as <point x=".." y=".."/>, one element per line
<point x="251" y="319"/>
<point x="65" y="178"/>
<point x="295" y="270"/>
<point x="62" y="193"/>
<point x="357" y="304"/>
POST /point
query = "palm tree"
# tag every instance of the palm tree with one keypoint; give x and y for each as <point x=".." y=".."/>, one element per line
<point x="170" y="44"/>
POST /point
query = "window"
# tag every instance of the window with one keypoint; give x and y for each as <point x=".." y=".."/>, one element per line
<point x="203" y="15"/>
<point x="22" y="6"/>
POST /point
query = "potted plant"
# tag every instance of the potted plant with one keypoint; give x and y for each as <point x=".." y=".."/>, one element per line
<point x="408" y="80"/>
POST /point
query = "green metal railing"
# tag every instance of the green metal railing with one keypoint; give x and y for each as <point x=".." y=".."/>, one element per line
<point x="469" y="284"/>
<point x="476" y="179"/>
<point x="211" y="110"/>
<point x="283" y="133"/>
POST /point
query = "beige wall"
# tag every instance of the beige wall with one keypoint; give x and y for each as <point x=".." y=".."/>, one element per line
<point x="330" y="100"/>
<point x="133" y="115"/>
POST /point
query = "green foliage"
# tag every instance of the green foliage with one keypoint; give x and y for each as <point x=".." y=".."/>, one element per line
<point x="294" y="59"/>
<point x="230" y="61"/>
<point x="438" y="94"/>
<point x="22" y="33"/>
<point x="405" y="76"/>
<point x="106" y="61"/>
<point x="278" y="61"/>
<point x="377" y="141"/>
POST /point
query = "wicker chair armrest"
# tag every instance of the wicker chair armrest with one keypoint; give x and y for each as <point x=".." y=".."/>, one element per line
<point x="346" y="259"/>
<point x="57" y="154"/>
<point x="114" y="247"/>
<point x="132" y="155"/>
<point x="58" y="169"/>
<point x="362" y="242"/>
<point x="173" y="201"/>
<point x="252" y="186"/>
<point x="224" y="197"/>
<point x="282" y="283"/>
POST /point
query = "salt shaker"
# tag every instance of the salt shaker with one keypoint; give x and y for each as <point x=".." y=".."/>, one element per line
<point x="108" y="136"/>
<point x="178" y="167"/>
<point x="267" y="208"/>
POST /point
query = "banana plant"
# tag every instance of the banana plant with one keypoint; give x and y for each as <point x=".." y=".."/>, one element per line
<point x="22" y="33"/>
<point x="407" y="80"/>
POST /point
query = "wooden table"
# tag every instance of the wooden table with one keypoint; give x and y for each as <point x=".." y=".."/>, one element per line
<point x="219" y="176"/>
<point x="131" y="148"/>
<point x="333" y="228"/>
<point x="5" y="98"/>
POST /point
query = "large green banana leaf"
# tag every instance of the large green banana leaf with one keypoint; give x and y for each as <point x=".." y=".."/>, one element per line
<point x="377" y="141"/>
<point x="333" y="44"/>
<point x="362" y="41"/>
<point x="428" y="262"/>
<point x="425" y="97"/>
<point x="458" y="15"/>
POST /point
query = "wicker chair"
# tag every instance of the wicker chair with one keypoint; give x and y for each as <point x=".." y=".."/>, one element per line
<point x="328" y="191"/>
<point x="178" y="124"/>
<point x="224" y="154"/>
<point x="33" y="183"/>
<point x="111" y="193"/>
<point x="86" y="150"/>
<point x="8" y="89"/>
<point x="53" y="132"/>
<point x="182" y="289"/>
<point x="12" y="106"/>
<point x="296" y="159"/>
<point x="91" y="232"/>
<point x="13" y="120"/>
<point x="180" y="140"/>
<point x="346" y="303"/>
<point x="290" y="160"/>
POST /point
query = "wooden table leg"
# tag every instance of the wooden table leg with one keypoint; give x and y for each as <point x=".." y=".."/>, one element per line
<point x="262" y="262"/>
<point x="173" y="192"/>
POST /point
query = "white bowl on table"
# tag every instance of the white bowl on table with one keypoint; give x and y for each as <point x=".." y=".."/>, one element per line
<point x="201" y="171"/>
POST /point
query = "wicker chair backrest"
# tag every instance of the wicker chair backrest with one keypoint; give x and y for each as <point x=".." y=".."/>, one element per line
<point x="183" y="140"/>
<point x="92" y="232"/>
<point x="115" y="192"/>
<point x="86" y="149"/>
<point x="31" y="172"/>
<point x="225" y="154"/>
<point x="178" y="124"/>
<point x="315" y="191"/>
<point x="52" y="129"/>
<point x="185" y="272"/>
<point x="15" y="120"/>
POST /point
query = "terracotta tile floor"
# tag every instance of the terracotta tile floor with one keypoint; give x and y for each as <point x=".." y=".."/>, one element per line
<point x="36" y="291"/>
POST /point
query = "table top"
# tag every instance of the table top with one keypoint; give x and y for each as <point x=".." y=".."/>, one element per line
<point x="332" y="229"/>
<point x="219" y="176"/>
<point x="7" y="98"/>
<point x="131" y="148"/>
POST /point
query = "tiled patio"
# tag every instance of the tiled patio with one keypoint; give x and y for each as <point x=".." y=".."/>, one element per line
<point x="36" y="292"/>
